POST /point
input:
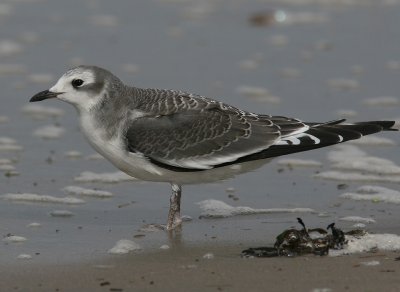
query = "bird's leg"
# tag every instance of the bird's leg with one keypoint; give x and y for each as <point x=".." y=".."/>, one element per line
<point x="174" y="215"/>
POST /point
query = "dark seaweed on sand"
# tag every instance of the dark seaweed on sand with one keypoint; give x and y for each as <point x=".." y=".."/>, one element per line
<point x="294" y="242"/>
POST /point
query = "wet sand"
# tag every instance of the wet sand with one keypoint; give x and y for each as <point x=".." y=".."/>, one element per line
<point x="185" y="269"/>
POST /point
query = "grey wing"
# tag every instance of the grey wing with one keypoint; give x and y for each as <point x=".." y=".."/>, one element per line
<point x="201" y="139"/>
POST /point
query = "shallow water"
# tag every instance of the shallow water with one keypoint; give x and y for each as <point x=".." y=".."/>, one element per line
<point x="315" y="67"/>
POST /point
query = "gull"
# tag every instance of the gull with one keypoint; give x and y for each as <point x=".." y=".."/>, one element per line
<point x="183" y="138"/>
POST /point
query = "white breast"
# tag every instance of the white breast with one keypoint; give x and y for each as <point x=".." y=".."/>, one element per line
<point x="114" y="150"/>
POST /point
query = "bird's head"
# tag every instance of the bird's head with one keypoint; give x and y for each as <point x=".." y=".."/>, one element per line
<point x="82" y="86"/>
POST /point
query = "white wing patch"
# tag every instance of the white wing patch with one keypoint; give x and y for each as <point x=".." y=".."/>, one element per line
<point x="296" y="139"/>
<point x="315" y="139"/>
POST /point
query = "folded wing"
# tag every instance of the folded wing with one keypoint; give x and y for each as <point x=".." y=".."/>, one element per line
<point x="202" y="139"/>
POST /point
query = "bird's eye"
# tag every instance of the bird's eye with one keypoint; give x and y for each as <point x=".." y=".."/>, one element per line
<point x="77" y="83"/>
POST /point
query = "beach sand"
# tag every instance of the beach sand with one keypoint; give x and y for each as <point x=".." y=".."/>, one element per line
<point x="185" y="269"/>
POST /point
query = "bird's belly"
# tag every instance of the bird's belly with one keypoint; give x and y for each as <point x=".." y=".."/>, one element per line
<point x="132" y="164"/>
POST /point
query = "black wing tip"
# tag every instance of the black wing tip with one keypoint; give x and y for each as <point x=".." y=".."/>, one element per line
<point x="388" y="125"/>
<point x="385" y="125"/>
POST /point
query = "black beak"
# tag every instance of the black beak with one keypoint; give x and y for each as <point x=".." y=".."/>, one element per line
<point x="44" y="95"/>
